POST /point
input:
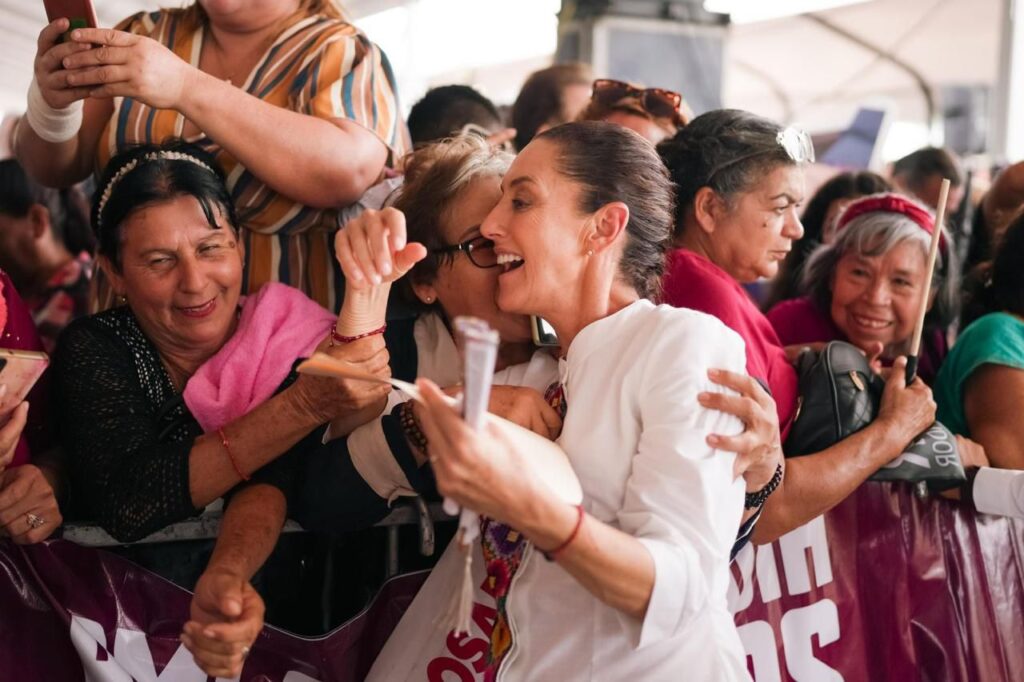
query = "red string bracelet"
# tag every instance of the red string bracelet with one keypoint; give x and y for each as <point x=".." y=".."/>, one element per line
<point x="338" y="340"/>
<point x="231" y="456"/>
<point x="553" y="554"/>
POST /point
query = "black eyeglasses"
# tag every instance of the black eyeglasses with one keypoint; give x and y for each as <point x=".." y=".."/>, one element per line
<point x="479" y="249"/>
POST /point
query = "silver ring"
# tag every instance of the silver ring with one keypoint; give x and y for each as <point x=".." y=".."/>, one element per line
<point x="34" y="521"/>
<point x="245" y="651"/>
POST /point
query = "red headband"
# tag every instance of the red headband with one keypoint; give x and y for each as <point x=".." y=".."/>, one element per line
<point x="891" y="203"/>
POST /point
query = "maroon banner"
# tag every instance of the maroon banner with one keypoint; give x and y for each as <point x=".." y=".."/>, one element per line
<point x="886" y="586"/>
<point x="72" y="613"/>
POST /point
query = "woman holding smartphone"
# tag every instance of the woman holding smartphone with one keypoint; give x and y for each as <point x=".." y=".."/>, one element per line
<point x="29" y="468"/>
<point x="296" y="104"/>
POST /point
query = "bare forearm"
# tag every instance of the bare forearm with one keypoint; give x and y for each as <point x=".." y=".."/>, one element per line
<point x="66" y="163"/>
<point x="613" y="566"/>
<point x="308" y="159"/>
<point x="51" y="164"/>
<point x="255" y="439"/>
<point x="250" y="529"/>
<point x="813" y="484"/>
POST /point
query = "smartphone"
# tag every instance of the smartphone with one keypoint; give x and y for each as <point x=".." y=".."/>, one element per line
<point x="543" y="333"/>
<point x="79" y="12"/>
<point x="19" y="371"/>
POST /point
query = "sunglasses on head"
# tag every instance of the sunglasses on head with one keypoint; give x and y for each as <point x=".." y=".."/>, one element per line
<point x="797" y="144"/>
<point x="655" y="101"/>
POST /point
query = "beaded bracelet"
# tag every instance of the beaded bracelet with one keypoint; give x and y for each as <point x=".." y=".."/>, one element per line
<point x="231" y="456"/>
<point x="339" y="340"/>
<point x="756" y="499"/>
<point x="553" y="554"/>
<point x="411" y="426"/>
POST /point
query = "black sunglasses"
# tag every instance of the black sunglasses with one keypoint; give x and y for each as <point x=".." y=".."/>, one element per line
<point x="479" y="249"/>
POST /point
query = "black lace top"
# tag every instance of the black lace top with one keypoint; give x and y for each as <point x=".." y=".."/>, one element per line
<point x="127" y="432"/>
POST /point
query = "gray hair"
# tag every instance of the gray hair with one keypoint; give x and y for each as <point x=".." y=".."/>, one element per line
<point x="435" y="176"/>
<point x="875" y="234"/>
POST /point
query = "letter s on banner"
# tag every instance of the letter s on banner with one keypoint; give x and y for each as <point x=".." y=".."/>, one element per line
<point x="798" y="629"/>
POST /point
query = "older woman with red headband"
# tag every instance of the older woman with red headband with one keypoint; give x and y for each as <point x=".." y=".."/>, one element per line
<point x="866" y="286"/>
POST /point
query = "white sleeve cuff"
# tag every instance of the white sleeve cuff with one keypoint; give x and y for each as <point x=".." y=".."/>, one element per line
<point x="999" y="491"/>
<point x="373" y="459"/>
<point x="674" y="597"/>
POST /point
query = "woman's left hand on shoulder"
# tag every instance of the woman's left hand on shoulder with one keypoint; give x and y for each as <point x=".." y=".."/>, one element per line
<point x="123" y="64"/>
<point x="480" y="470"/>
<point x="28" y="506"/>
<point x="759" y="448"/>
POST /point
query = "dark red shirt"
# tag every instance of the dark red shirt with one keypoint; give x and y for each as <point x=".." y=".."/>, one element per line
<point x="694" y="282"/>
<point x="18" y="332"/>
<point x="799" y="320"/>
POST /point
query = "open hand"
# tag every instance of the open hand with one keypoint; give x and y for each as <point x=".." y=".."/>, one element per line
<point x="758" y="449"/>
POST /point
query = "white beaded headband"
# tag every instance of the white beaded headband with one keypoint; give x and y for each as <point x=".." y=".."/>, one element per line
<point x="131" y="165"/>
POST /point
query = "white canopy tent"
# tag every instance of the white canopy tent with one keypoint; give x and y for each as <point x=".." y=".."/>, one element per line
<point x="814" y="70"/>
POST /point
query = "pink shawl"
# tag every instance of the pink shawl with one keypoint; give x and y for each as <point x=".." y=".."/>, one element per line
<point x="278" y="325"/>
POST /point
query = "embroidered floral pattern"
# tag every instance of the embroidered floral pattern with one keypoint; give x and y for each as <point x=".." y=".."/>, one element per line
<point x="503" y="549"/>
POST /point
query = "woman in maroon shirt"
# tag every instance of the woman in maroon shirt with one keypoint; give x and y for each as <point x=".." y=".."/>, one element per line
<point x="739" y="186"/>
<point x="28" y="475"/>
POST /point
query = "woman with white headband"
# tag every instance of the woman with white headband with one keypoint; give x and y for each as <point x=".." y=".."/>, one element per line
<point x="186" y="391"/>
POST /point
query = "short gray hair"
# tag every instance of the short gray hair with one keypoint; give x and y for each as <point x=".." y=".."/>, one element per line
<point x="874" y="234"/>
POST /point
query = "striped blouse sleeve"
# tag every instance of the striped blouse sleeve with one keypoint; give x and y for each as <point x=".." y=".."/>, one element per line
<point x="352" y="79"/>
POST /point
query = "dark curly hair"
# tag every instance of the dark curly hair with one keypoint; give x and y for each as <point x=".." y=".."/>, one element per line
<point x="152" y="180"/>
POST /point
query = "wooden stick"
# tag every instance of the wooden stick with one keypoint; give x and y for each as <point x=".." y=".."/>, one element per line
<point x="933" y="251"/>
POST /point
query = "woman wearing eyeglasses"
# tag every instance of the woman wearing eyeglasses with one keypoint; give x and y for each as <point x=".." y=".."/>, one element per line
<point x="451" y="270"/>
<point x="739" y="186"/>
<point x="653" y="113"/>
<point x="449" y="189"/>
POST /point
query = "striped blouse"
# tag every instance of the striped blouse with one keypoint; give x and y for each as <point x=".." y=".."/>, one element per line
<point x="318" y="66"/>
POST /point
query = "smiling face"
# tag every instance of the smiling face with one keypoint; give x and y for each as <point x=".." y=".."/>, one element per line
<point x="875" y="298"/>
<point x="538" y="234"/>
<point x="462" y="288"/>
<point x="181" y="277"/>
<point x="752" y="236"/>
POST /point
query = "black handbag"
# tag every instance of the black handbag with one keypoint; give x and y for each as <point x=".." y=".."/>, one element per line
<point x="839" y="395"/>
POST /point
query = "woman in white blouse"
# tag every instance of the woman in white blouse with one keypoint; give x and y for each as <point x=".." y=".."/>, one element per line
<point x="635" y="584"/>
